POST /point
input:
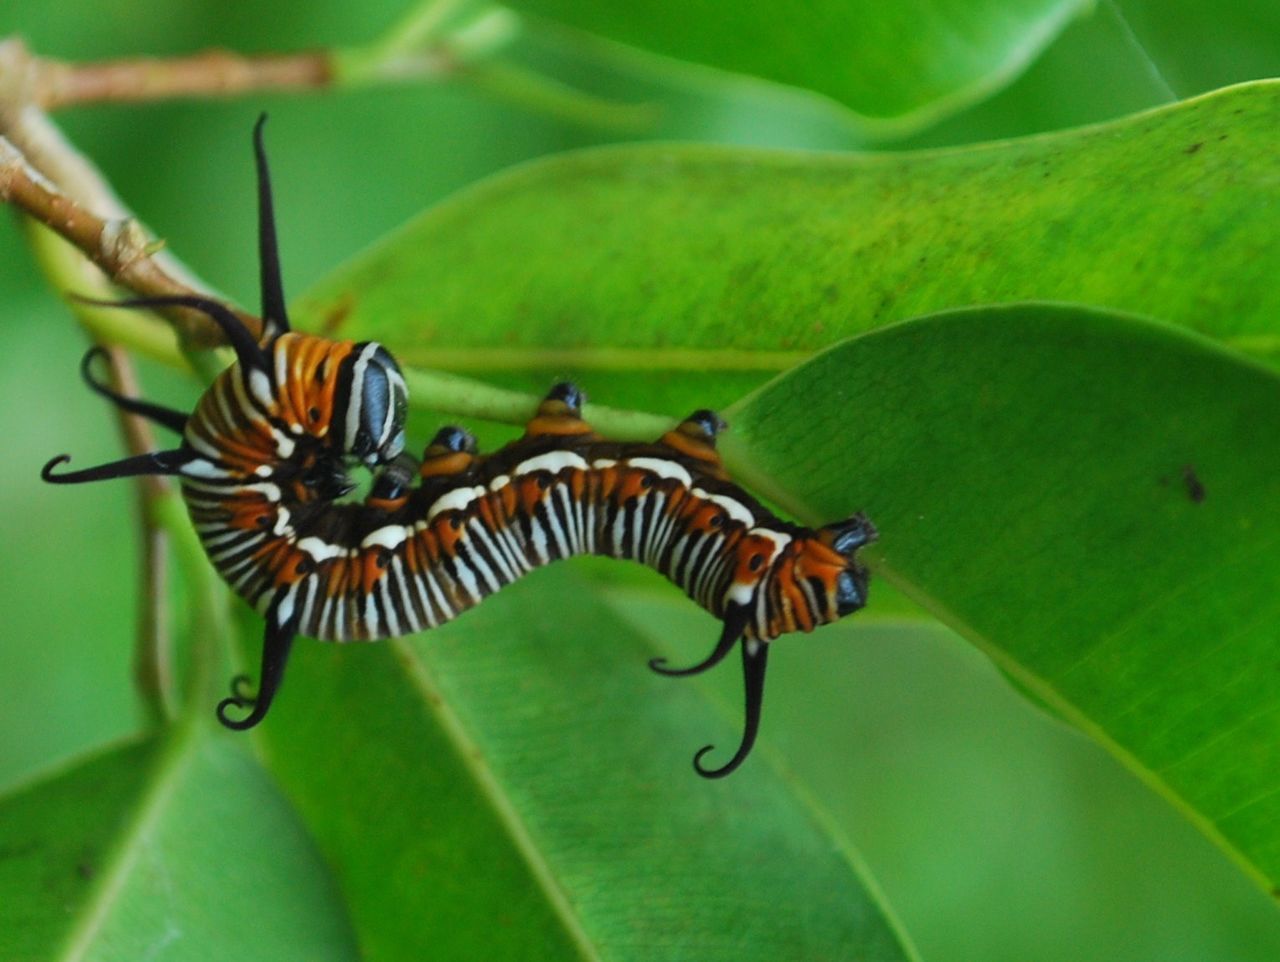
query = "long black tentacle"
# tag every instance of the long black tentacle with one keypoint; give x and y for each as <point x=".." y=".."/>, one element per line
<point x="165" y="416"/>
<point x="248" y="352"/>
<point x="735" y="622"/>
<point x="273" y="306"/>
<point x="153" y="462"/>
<point x="275" y="655"/>
<point x="755" y="656"/>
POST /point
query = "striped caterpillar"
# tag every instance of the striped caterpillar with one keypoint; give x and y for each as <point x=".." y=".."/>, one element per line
<point x="270" y="446"/>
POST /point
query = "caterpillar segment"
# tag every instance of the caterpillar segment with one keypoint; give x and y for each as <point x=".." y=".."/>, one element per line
<point x="272" y="444"/>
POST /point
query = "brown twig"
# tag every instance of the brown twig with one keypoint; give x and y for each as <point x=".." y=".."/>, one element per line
<point x="119" y="247"/>
<point x="152" y="667"/>
<point x="210" y="73"/>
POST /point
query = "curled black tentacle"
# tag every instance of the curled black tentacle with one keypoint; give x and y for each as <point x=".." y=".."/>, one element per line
<point x="240" y="690"/>
<point x="153" y="462"/>
<point x="275" y="655"/>
<point x="755" y="655"/>
<point x="735" y="622"/>
<point x="175" y="421"/>
<point x="248" y="352"/>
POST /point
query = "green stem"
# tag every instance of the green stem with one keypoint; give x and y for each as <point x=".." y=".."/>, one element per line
<point x="209" y="626"/>
<point x="449" y="394"/>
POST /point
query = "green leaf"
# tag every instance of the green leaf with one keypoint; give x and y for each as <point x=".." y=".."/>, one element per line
<point x="1092" y="501"/>
<point x="900" y="60"/>
<point x="716" y="265"/>
<point x="1196" y="46"/>
<point x="517" y="784"/>
<point x="163" y="848"/>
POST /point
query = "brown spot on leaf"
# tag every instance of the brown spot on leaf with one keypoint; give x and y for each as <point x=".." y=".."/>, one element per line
<point x="1195" y="489"/>
<point x="1194" y="147"/>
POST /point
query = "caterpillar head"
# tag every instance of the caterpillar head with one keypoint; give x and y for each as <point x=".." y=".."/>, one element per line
<point x="370" y="405"/>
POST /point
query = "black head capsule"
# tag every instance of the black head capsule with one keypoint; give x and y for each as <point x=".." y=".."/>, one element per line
<point x="371" y="403"/>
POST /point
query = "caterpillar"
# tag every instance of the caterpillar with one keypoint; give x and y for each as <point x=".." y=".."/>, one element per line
<point x="271" y="445"/>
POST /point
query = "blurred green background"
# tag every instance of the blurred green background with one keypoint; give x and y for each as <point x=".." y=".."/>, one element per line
<point x="995" y="832"/>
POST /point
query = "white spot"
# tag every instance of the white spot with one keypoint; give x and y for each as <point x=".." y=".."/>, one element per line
<point x="263" y="470"/>
<point x="282" y="522"/>
<point x="500" y="482"/>
<point x="553" y="461"/>
<point x="663" y="469"/>
<point x="284" y="445"/>
<point x="454" y="500"/>
<point x="284" y="611"/>
<point x="260" y="385"/>
<point x="320" y="550"/>
<point x="200" y="468"/>
<point x="739" y="593"/>
<point x="736" y="509"/>
<point x="601" y="463"/>
<point x="390" y="537"/>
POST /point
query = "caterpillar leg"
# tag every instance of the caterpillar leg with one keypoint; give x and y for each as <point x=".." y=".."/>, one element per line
<point x="275" y="654"/>
<point x="755" y="656"/>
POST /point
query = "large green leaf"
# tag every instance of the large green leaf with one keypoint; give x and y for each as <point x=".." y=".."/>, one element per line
<point x="882" y="60"/>
<point x="177" y="850"/>
<point x="1194" y="45"/>
<point x="1091" y="500"/>
<point x="517" y="784"/>
<point x="708" y="261"/>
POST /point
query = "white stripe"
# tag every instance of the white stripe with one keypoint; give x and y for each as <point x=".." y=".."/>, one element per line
<point x="486" y="572"/>
<point x="304" y="623"/>
<point x="388" y="608"/>
<point x="432" y="580"/>
<point x="737" y="511"/>
<point x="390" y="536"/>
<point x="553" y="461"/>
<point x="260" y="385"/>
<point x="539" y="540"/>
<point x="779" y="539"/>
<point x="454" y="500"/>
<point x="466" y="578"/>
<point x="662" y="468"/>
<point x="357" y="394"/>
<point x="428" y="610"/>
<point x="201" y="445"/>
<point x="499" y="558"/>
<point x="281" y="358"/>
<point x="320" y="550"/>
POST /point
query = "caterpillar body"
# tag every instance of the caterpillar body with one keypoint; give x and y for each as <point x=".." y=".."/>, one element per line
<point x="270" y="446"/>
